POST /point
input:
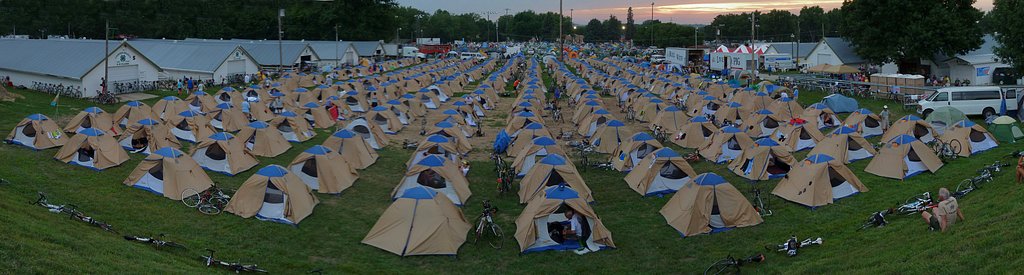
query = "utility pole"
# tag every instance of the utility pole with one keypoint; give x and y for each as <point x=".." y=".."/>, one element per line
<point x="652" y="23"/>
<point x="106" y="55"/>
<point x="337" y="45"/>
<point x="280" y="43"/>
<point x="506" y="25"/>
<point x="561" y="42"/>
<point x="694" y="37"/>
<point x="753" y="59"/>
<point x="797" y="58"/>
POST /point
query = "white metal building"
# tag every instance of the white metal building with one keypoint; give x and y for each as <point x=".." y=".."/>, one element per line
<point x="369" y="49"/>
<point x="76" y="63"/>
<point x="833" y="51"/>
<point x="179" y="59"/>
<point x="333" y="53"/>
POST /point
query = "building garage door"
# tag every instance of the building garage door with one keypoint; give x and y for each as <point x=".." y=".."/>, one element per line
<point x="124" y="73"/>
<point x="233" y="67"/>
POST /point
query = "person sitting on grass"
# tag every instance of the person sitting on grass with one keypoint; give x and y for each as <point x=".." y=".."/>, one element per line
<point x="946" y="213"/>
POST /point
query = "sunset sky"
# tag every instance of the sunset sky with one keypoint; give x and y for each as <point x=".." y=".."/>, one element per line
<point x="678" y="11"/>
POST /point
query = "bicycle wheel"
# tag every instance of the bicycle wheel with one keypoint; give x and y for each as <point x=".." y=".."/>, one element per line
<point x="190" y="197"/>
<point x="499" y="236"/>
<point x="721" y="267"/>
<point x="954" y="147"/>
<point x="478" y="230"/>
<point x="209" y="209"/>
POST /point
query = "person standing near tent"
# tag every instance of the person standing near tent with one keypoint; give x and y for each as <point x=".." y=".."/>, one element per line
<point x="245" y="109"/>
<point x="1020" y="169"/>
<point x="575" y="230"/>
<point x="180" y="86"/>
<point x="190" y="84"/>
<point x="202" y="87"/>
<point x="945" y="214"/>
<point x="885" y="117"/>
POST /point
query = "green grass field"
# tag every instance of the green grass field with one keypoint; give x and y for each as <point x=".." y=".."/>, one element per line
<point x="33" y="240"/>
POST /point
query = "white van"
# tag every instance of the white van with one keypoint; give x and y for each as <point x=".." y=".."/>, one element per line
<point x="472" y="55"/>
<point x="979" y="100"/>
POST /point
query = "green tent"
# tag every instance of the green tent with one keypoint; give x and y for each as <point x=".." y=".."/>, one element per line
<point x="1005" y="129"/>
<point x="942" y="117"/>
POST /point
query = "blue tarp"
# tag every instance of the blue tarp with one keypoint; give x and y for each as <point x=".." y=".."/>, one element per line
<point x="501" y="142"/>
<point x="840" y="104"/>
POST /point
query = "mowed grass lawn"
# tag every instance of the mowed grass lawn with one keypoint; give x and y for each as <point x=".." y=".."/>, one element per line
<point x="33" y="240"/>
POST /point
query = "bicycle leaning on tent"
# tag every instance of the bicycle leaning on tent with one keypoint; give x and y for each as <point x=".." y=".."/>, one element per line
<point x="947" y="150"/>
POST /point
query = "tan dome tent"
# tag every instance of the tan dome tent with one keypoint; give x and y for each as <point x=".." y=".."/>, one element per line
<point x="371" y="133"/>
<point x="147" y="135"/>
<point x="708" y="204"/>
<point x="438" y="175"/>
<point x="867" y="123"/>
<point x="168" y="108"/>
<point x="633" y="150"/>
<point x="452" y="132"/>
<point x="228" y="118"/>
<point x="520" y="121"/>
<point x="537" y="225"/>
<point x="38" y="132"/>
<point x="323" y="170"/>
<point x="671" y="119"/>
<point x="762" y="123"/>
<point x="316" y="115"/>
<point x="586" y="109"/>
<point x="589" y="124"/>
<point x="819" y="180"/>
<point x="552" y="170"/>
<point x="662" y="172"/>
<point x="525" y="138"/>
<point x="732" y="113"/>
<point x="292" y="127"/>
<point x="787" y="108"/>
<point x="538" y="149"/>
<point x="273" y="194"/>
<point x="223" y="153"/>
<point x="766" y="160"/>
<point x="436" y="145"/>
<point x="429" y="100"/>
<point x="903" y="157"/>
<point x="353" y="148"/>
<point x="92" y="148"/>
<point x="821" y="116"/>
<point x="798" y="136"/>
<point x="200" y="101"/>
<point x="913" y="126"/>
<point x="386" y="120"/>
<point x="695" y="134"/>
<point x="726" y="145"/>
<point x="191" y="126"/>
<point x="168" y="172"/>
<point x="92" y="117"/>
<point x="262" y="140"/>
<point x="609" y="136"/>
<point x="416" y="107"/>
<point x="846" y="144"/>
<point x="230" y="95"/>
<point x="420" y="222"/>
<point x="131" y="112"/>
<point x="972" y="137"/>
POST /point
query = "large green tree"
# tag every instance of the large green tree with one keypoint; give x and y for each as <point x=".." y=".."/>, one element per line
<point x="630" y="24"/>
<point x="907" y="30"/>
<point x="1007" y="20"/>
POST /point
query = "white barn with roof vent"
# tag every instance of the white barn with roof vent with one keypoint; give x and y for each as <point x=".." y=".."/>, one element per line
<point x="75" y="63"/>
<point x="217" y="61"/>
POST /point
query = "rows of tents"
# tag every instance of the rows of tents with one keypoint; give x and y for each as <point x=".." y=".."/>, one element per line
<point x="225" y="140"/>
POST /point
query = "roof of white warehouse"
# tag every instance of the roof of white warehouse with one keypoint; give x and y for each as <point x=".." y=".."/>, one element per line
<point x="57" y="57"/>
<point x="185" y="55"/>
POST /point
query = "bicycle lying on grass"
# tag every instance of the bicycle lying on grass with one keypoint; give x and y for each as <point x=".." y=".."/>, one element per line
<point x="153" y="241"/>
<point x="487" y="226"/>
<point x="236" y="267"/>
<point x="911" y="206"/>
<point x="791" y="246"/>
<point x="72" y="211"/>
<point x="732" y="265"/>
<point x="210" y="201"/>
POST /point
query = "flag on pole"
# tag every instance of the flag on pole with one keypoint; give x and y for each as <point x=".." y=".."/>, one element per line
<point x="54" y="102"/>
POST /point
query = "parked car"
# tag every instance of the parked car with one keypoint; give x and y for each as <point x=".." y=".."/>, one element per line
<point x="974" y="100"/>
